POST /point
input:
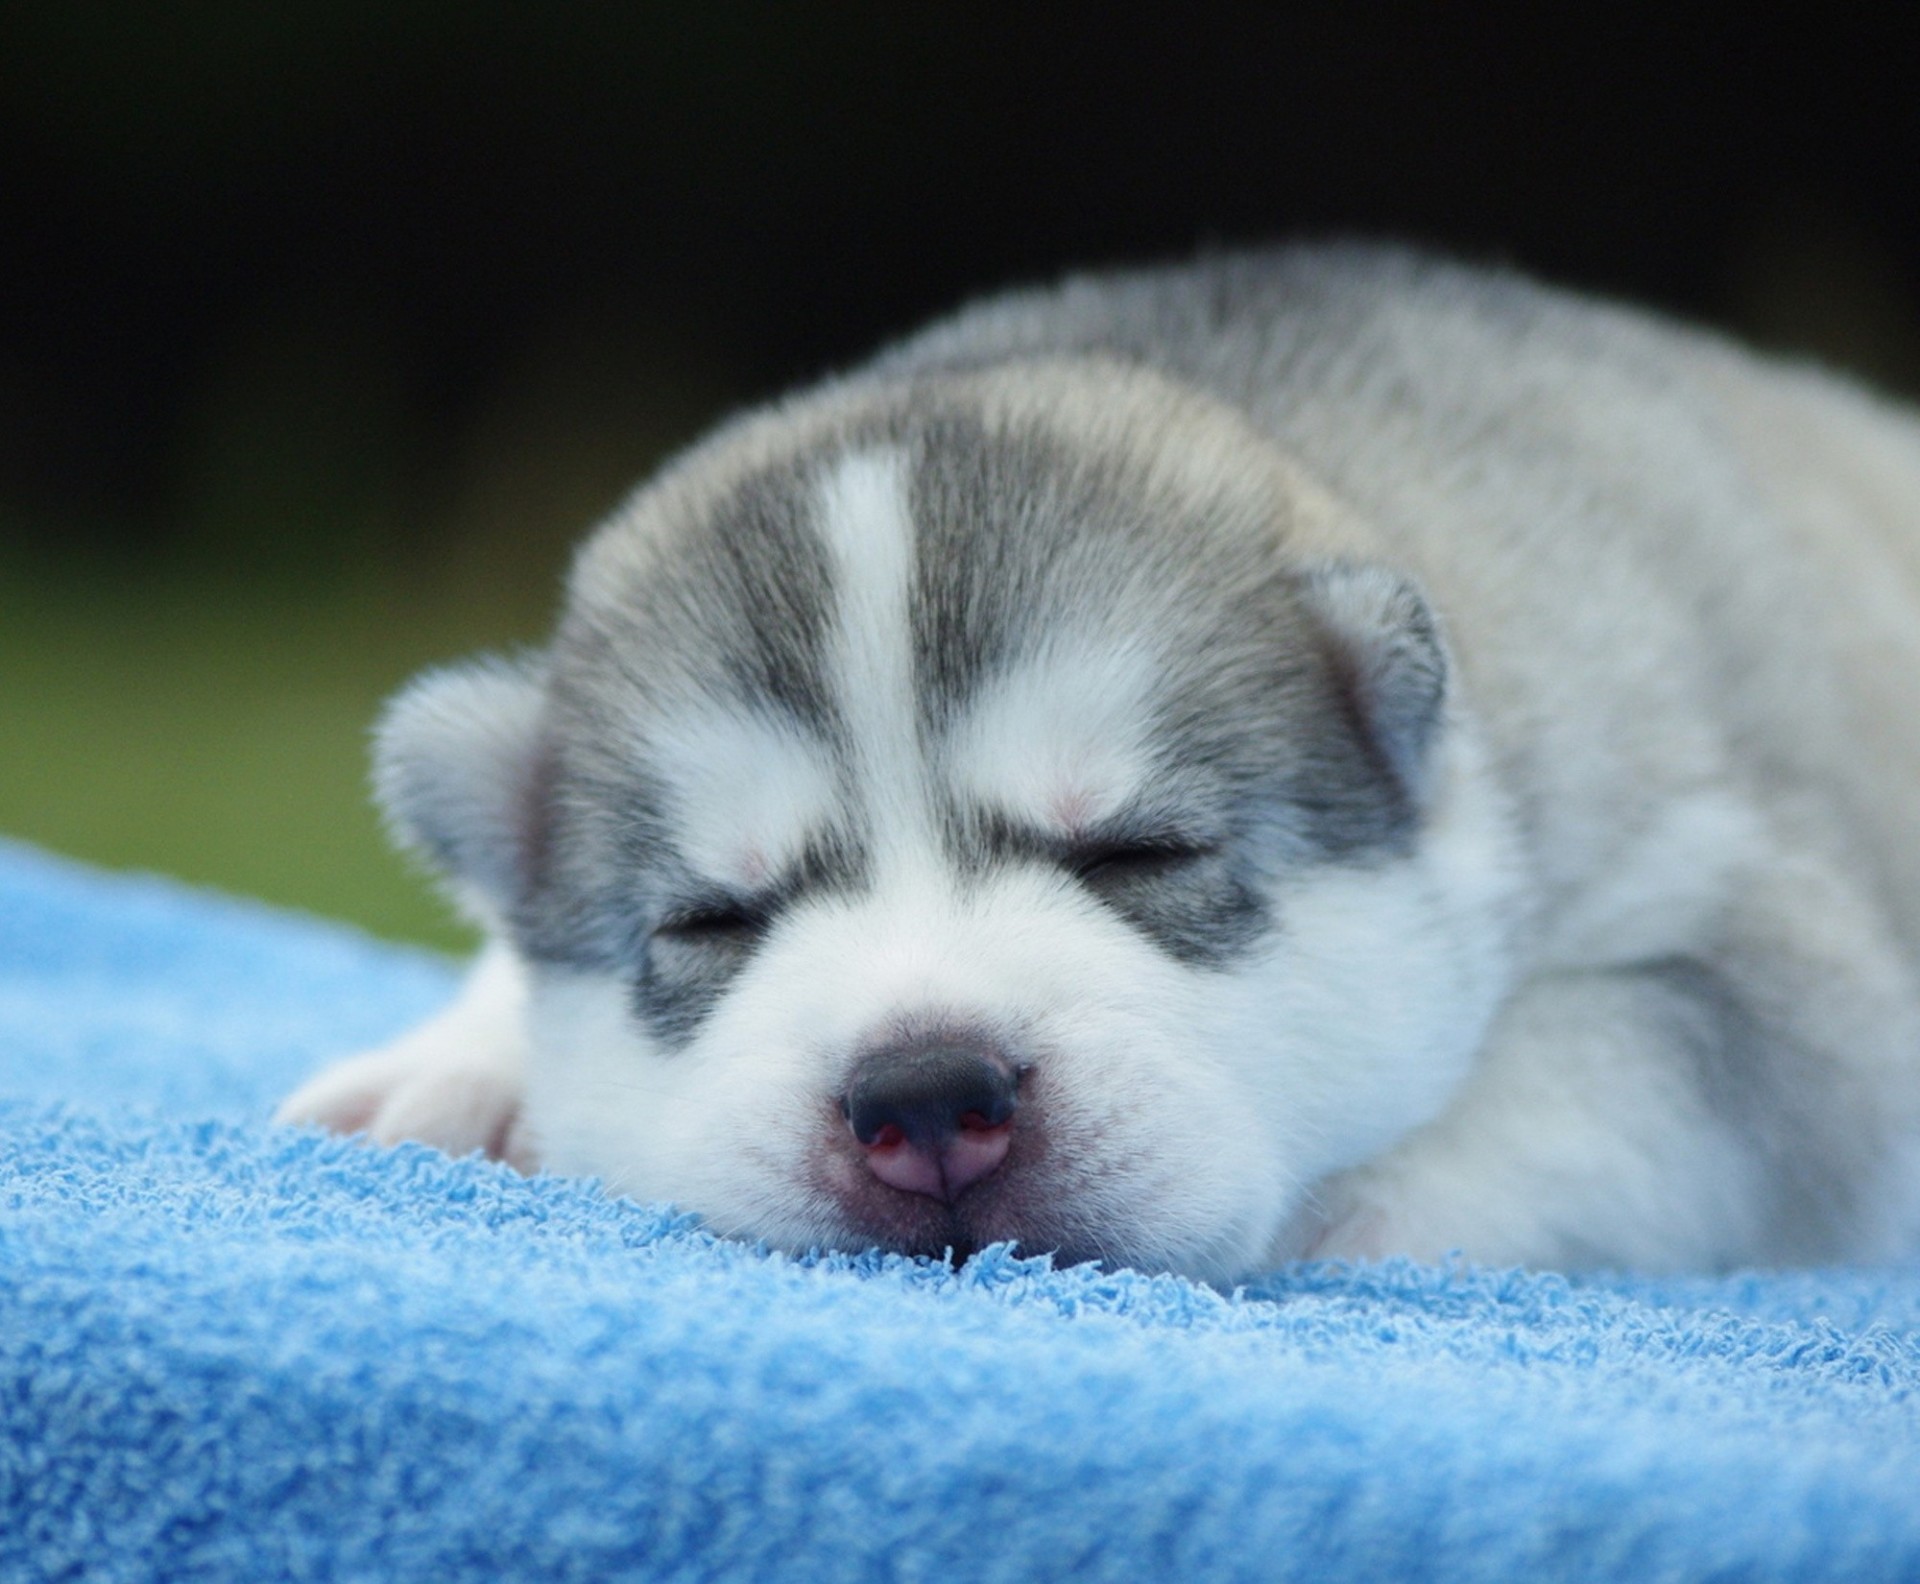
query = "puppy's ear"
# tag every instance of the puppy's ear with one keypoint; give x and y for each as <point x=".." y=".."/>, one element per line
<point x="1389" y="658"/>
<point x="459" y="767"/>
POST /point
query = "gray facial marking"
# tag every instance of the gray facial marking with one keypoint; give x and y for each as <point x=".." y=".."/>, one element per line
<point x="725" y="605"/>
<point x="759" y="584"/>
<point x="1026" y="543"/>
<point x="1202" y="904"/>
<point x="704" y="939"/>
<point x="988" y="511"/>
<point x="1201" y="908"/>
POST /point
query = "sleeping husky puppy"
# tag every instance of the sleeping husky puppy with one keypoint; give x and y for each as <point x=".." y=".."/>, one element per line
<point x="1315" y="753"/>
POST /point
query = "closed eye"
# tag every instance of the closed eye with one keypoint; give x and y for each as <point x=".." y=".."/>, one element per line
<point x="1116" y="862"/>
<point x="718" y="924"/>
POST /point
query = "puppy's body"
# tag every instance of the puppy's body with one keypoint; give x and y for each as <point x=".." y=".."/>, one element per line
<point x="1313" y="752"/>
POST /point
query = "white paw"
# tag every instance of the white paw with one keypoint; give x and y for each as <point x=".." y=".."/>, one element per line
<point x="393" y="1094"/>
<point x="1359" y="1220"/>
<point x="454" y="1082"/>
<point x="1363" y="1233"/>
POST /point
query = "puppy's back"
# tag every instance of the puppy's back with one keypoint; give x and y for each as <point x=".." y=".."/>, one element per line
<point x="1670" y="568"/>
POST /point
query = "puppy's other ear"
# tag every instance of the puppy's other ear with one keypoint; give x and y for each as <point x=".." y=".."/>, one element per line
<point x="459" y="769"/>
<point x="1389" y="658"/>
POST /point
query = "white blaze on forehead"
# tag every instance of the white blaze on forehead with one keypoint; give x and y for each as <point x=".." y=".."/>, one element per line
<point x="868" y="530"/>
<point x="744" y="792"/>
<point x="1061" y="742"/>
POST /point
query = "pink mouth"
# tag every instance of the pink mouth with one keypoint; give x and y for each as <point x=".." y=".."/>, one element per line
<point x="942" y="1169"/>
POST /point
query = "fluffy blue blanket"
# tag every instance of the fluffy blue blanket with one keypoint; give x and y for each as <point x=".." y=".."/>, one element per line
<point x="239" y="1352"/>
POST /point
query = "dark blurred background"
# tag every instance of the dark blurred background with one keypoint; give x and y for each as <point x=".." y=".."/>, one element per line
<point x="326" y="327"/>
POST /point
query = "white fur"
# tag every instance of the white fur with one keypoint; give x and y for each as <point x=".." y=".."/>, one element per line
<point x="1171" y="1160"/>
<point x="1061" y="742"/>
<point x="1641" y="987"/>
<point x="1570" y="1102"/>
<point x="1660" y="886"/>
<point x="746" y="792"/>
<point x="863" y="514"/>
<point x="456" y="1081"/>
<point x="1201" y="1107"/>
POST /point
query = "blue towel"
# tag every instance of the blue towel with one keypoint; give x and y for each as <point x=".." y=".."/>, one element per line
<point x="230" y="1351"/>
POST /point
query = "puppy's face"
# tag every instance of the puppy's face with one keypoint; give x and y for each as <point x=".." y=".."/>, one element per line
<point x="953" y="818"/>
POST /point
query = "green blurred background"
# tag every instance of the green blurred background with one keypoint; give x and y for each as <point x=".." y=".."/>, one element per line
<point x="326" y="328"/>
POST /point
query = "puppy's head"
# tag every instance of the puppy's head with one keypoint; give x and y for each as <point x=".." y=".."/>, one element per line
<point x="974" y="810"/>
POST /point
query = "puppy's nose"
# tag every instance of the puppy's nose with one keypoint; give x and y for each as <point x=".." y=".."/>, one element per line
<point x="934" y="1116"/>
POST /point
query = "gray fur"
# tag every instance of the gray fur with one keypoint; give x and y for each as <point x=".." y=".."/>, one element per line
<point x="458" y="768"/>
<point x="1263" y="709"/>
<point x="1397" y="536"/>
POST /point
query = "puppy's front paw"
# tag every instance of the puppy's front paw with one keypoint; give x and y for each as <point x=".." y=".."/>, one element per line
<point x="450" y="1100"/>
<point x="454" y="1082"/>
<point x="1364" y="1227"/>
<point x="1365" y="1233"/>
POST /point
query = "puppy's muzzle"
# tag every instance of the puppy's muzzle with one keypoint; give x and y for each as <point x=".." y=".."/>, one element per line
<point x="933" y="1116"/>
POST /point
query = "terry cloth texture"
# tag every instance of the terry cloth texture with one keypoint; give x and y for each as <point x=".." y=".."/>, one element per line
<point x="232" y="1351"/>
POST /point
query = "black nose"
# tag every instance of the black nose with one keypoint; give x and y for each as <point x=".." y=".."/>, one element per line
<point x="929" y="1090"/>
